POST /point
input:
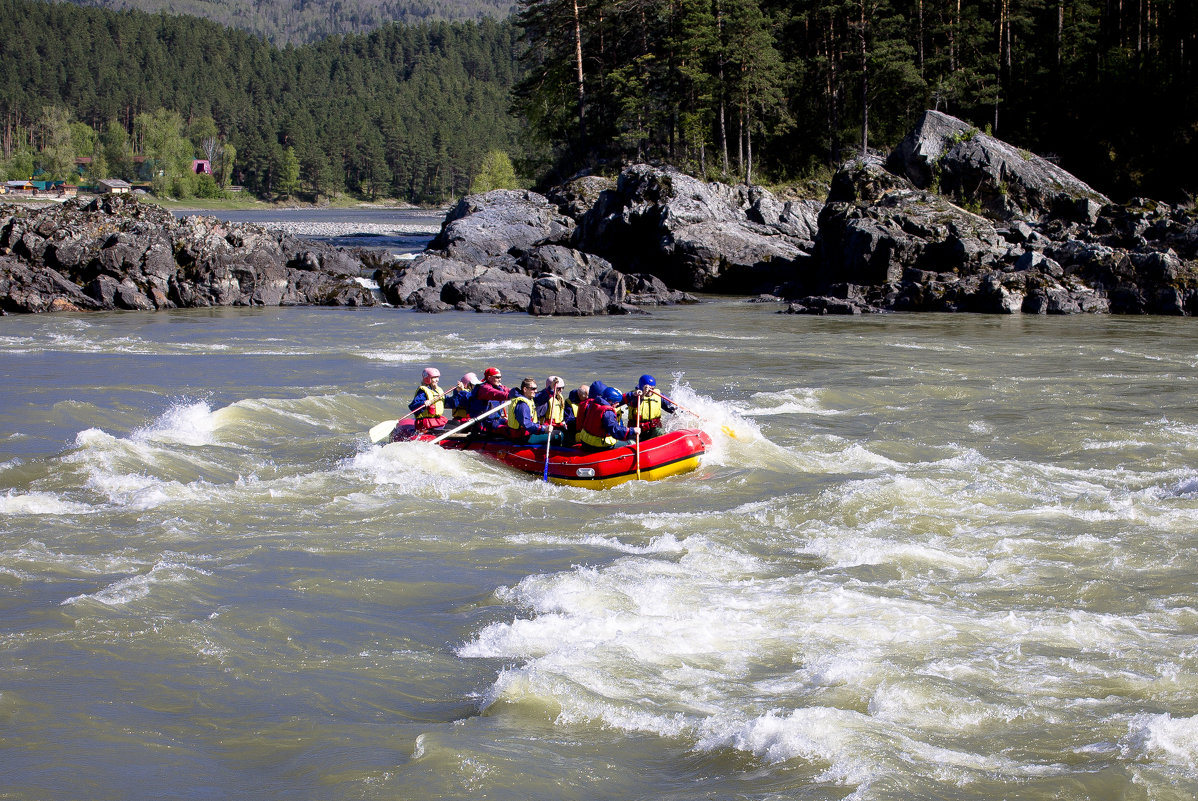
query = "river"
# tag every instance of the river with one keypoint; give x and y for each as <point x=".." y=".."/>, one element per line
<point x="400" y="232"/>
<point x="942" y="557"/>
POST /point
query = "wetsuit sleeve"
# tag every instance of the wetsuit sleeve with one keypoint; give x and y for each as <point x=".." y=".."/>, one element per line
<point x="418" y="400"/>
<point x="525" y="420"/>
<point x="611" y="424"/>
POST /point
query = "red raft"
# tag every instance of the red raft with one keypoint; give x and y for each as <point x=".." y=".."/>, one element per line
<point x="665" y="455"/>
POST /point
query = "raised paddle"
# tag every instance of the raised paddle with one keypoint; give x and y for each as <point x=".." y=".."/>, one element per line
<point x="637" y="456"/>
<point x="723" y="428"/>
<point x="382" y="431"/>
<point x="549" y="437"/>
<point x="473" y="420"/>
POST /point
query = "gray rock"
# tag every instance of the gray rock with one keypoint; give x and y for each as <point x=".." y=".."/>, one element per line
<point x="496" y="228"/>
<point x="889" y="227"/>
<point x="554" y="295"/>
<point x="134" y="256"/>
<point x="952" y="157"/>
<point x="696" y="235"/>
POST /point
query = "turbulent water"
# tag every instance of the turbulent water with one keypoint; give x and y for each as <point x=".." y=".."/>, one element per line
<point x="942" y="557"/>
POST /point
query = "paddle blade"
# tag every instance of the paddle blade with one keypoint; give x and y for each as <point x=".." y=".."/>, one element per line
<point x="727" y="430"/>
<point x="382" y="431"/>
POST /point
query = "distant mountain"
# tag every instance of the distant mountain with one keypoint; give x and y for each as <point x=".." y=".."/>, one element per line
<point x="302" y="21"/>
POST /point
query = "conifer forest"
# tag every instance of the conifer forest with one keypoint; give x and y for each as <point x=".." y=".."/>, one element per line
<point x="766" y="91"/>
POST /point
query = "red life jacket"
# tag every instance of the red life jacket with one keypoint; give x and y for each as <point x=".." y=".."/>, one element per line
<point x="590" y="426"/>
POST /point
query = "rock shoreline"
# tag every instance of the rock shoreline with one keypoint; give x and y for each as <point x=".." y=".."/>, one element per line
<point x="952" y="220"/>
<point x="113" y="252"/>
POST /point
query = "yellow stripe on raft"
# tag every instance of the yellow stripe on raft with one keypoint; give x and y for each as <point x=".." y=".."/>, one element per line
<point x="664" y="471"/>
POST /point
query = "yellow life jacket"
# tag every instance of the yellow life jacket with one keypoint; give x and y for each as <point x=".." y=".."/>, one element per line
<point x="434" y="409"/>
<point x="650" y="407"/>
<point x="556" y="410"/>
<point x="512" y="421"/>
<point x="590" y="427"/>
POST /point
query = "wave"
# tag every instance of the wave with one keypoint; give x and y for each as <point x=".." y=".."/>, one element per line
<point x="1163" y="738"/>
<point x="133" y="588"/>
<point x="40" y="503"/>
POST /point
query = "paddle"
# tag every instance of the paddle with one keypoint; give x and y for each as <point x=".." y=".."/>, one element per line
<point x="549" y="438"/>
<point x="381" y="431"/>
<point x="473" y="420"/>
<point x="636" y="458"/>
<point x="727" y="430"/>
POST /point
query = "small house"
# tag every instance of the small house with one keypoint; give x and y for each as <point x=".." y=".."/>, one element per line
<point x="201" y="167"/>
<point x="113" y="186"/>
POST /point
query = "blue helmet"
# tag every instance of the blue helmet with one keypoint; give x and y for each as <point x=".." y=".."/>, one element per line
<point x="647" y="381"/>
<point x="596" y="390"/>
<point x="613" y="396"/>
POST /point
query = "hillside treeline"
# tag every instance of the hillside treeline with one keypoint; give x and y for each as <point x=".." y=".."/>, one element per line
<point x="405" y="111"/>
<point x="299" y="22"/>
<point x="780" y="87"/>
<point x="729" y="89"/>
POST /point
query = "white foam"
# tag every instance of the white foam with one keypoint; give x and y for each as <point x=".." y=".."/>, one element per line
<point x="664" y="544"/>
<point x="40" y="503"/>
<point x="1163" y="738"/>
<point x="133" y="588"/>
<point x="183" y="423"/>
<point x="799" y="400"/>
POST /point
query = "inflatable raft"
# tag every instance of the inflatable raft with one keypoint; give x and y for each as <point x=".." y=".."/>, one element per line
<point x="660" y="457"/>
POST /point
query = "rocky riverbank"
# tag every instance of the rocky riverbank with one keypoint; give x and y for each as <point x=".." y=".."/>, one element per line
<point x="952" y="220"/>
<point x="113" y="252"/>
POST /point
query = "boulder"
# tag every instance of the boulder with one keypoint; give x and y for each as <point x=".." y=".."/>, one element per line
<point x="949" y="156"/>
<point x="122" y="254"/>
<point x="876" y="226"/>
<point x="695" y="235"/>
<point x="554" y="295"/>
<point x="507" y="251"/>
<point x="496" y="228"/>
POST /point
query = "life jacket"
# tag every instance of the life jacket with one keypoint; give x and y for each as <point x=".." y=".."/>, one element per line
<point x="513" y="422"/>
<point x="590" y="427"/>
<point x="650" y="408"/>
<point x="555" y="410"/>
<point x="434" y="409"/>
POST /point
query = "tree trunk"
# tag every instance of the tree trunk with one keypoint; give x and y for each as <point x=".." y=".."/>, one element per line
<point x="582" y="123"/>
<point x="919" y="7"/>
<point x="864" y="85"/>
<point x="719" y="23"/>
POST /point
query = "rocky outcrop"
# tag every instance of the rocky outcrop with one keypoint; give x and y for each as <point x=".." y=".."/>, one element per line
<point x="116" y="253"/>
<point x="696" y="235"/>
<point x="1014" y="235"/>
<point x="496" y="228"/>
<point x="602" y="246"/>
<point x="512" y="251"/>
<point x="951" y="157"/>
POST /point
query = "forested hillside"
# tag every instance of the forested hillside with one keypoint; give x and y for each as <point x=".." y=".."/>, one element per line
<point x="779" y="87"/>
<point x="728" y="89"/>
<point x="303" y="21"/>
<point x="405" y="111"/>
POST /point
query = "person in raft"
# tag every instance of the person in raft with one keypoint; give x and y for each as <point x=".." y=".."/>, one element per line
<point x="599" y="426"/>
<point x="645" y="405"/>
<point x="487" y="395"/>
<point x="458" y="398"/>
<point x="522" y="423"/>
<point x="429" y="401"/>
<point x="551" y="406"/>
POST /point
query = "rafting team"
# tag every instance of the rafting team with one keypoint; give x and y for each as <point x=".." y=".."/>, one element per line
<point x="595" y="417"/>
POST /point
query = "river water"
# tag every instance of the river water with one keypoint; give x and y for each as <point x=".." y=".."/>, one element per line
<point x="943" y="557"/>
<point x="402" y="233"/>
